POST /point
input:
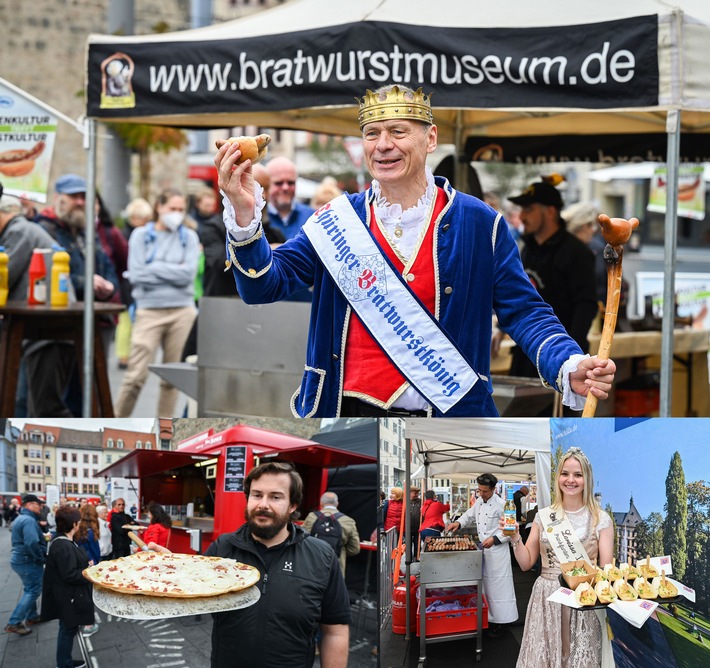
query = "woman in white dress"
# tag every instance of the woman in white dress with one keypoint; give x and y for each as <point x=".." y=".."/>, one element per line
<point x="556" y="636"/>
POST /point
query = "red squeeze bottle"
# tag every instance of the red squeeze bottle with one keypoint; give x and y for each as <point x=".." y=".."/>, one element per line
<point x="37" y="289"/>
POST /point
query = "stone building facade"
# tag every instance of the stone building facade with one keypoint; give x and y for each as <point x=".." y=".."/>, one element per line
<point x="43" y="52"/>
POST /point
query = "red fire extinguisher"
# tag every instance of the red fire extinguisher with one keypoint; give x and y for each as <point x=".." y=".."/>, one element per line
<point x="399" y="606"/>
<point x="37" y="289"/>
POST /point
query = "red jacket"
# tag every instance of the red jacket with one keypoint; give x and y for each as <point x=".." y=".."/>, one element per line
<point x="433" y="514"/>
<point x="156" y="533"/>
<point x="394" y="514"/>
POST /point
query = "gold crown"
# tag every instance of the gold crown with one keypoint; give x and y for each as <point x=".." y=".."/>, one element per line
<point x="394" y="105"/>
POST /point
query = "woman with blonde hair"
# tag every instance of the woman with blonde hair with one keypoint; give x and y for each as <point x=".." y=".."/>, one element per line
<point x="393" y="509"/>
<point x="556" y="636"/>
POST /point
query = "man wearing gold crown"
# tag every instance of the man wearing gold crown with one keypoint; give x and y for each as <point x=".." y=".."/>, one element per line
<point x="405" y="277"/>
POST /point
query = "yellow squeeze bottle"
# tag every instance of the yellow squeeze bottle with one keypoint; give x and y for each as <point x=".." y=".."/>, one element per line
<point x="4" y="289"/>
<point x="59" y="291"/>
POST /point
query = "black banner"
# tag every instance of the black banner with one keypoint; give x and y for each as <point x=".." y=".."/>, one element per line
<point x="611" y="149"/>
<point x="596" y="66"/>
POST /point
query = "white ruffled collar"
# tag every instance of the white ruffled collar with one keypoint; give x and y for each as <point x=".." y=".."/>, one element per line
<point x="392" y="213"/>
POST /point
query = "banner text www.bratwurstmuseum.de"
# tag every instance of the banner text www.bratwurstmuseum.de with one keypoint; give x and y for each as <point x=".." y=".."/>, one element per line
<point x="394" y="67"/>
<point x="601" y="65"/>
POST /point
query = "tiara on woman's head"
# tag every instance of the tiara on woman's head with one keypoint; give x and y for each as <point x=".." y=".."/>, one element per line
<point x="577" y="452"/>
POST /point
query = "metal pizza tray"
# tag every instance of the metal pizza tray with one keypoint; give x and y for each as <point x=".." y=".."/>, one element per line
<point x="141" y="606"/>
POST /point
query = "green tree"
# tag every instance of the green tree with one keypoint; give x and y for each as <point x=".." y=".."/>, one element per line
<point x="698" y="568"/>
<point x="675" y="525"/>
<point x="608" y="510"/>
<point x="144" y="139"/>
<point x="649" y="536"/>
<point x="332" y="157"/>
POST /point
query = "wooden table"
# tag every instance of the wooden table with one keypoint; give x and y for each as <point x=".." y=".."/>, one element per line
<point x="690" y="385"/>
<point x="21" y="321"/>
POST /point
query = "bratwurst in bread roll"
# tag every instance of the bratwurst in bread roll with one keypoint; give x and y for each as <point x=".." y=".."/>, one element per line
<point x="252" y="148"/>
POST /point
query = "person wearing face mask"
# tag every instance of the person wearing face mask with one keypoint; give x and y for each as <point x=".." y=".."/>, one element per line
<point x="162" y="265"/>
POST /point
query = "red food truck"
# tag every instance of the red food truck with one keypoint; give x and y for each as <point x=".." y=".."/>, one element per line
<point x="201" y="483"/>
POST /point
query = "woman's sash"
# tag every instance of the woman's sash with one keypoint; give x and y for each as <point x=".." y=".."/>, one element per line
<point x="394" y="317"/>
<point x="563" y="539"/>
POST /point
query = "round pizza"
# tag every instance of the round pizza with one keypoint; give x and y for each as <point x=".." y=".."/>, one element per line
<point x="172" y="575"/>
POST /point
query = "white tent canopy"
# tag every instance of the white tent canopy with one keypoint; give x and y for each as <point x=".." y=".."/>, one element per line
<point x="509" y="448"/>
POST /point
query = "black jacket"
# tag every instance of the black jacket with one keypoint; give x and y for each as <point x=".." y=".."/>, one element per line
<point x="562" y="271"/>
<point x="119" y="536"/>
<point x="302" y="588"/>
<point x="66" y="594"/>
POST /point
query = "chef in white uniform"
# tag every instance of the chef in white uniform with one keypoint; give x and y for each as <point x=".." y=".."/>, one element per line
<point x="497" y="572"/>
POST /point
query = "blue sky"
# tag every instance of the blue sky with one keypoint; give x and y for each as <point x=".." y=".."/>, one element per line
<point x="635" y="459"/>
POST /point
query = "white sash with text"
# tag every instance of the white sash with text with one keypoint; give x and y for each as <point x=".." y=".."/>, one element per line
<point x="563" y="539"/>
<point x="406" y="331"/>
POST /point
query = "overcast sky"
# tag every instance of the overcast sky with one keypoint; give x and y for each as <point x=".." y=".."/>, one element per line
<point x="89" y="424"/>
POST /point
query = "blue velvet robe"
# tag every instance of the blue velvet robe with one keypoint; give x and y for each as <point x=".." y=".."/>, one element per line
<point x="478" y="271"/>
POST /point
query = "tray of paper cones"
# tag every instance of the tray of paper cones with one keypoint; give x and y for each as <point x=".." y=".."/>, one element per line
<point x="449" y="543"/>
<point x="623" y="583"/>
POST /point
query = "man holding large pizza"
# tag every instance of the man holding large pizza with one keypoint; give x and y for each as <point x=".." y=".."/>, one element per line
<point x="405" y="277"/>
<point x="302" y="588"/>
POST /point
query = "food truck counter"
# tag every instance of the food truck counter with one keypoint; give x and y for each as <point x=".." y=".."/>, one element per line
<point x="202" y="482"/>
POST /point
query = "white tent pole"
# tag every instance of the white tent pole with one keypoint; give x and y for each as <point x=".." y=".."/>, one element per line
<point x="407" y="532"/>
<point x="89" y="264"/>
<point x="669" y="261"/>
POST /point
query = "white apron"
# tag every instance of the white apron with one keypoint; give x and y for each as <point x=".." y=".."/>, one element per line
<point x="497" y="571"/>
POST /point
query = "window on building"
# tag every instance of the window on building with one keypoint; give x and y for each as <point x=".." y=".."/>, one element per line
<point x="73" y="473"/>
<point x="109" y="442"/>
<point x="148" y="445"/>
<point x="73" y="458"/>
<point x="48" y="470"/>
<point x="25" y="453"/>
<point x="139" y="444"/>
<point x="64" y="471"/>
<point x="27" y="487"/>
<point x="27" y="468"/>
<point x="94" y="473"/>
<point x="119" y="443"/>
<point x="86" y="458"/>
<point x="108" y="459"/>
<point x="94" y="459"/>
<point x="165" y="444"/>
<point x="48" y="454"/>
<point x="64" y="456"/>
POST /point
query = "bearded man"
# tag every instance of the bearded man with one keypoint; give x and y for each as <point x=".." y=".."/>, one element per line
<point x="51" y="364"/>
<point x="305" y="590"/>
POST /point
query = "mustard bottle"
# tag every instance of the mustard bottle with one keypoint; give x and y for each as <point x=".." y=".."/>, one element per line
<point x="4" y="289"/>
<point x="59" y="291"/>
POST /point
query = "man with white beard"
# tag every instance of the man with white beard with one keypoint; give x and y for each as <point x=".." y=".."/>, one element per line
<point x="50" y="364"/>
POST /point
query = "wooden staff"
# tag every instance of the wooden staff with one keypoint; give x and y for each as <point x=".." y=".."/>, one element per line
<point x="616" y="232"/>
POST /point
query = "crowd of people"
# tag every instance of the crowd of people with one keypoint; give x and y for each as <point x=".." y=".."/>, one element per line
<point x="51" y="548"/>
<point x="157" y="264"/>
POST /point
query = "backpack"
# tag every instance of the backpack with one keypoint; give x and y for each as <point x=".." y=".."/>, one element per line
<point x="327" y="528"/>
